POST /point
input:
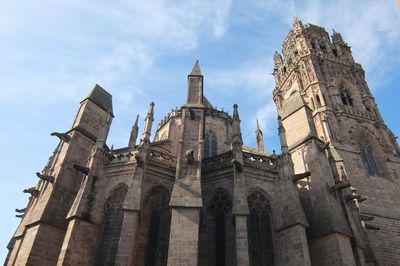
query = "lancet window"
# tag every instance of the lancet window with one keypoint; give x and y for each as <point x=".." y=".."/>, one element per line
<point x="210" y="144"/>
<point x="369" y="162"/>
<point x="220" y="208"/>
<point x="112" y="226"/>
<point x="261" y="242"/>
<point x="157" y="219"/>
<point x="345" y="96"/>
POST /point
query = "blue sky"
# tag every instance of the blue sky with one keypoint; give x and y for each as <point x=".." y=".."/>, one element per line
<point x="53" y="52"/>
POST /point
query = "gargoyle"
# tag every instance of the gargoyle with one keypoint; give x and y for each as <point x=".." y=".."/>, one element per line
<point x="33" y="191"/>
<point x="63" y="136"/>
<point x="339" y="186"/>
<point x="46" y="177"/>
<point x="189" y="156"/>
<point x="82" y="169"/>
<point x="301" y="176"/>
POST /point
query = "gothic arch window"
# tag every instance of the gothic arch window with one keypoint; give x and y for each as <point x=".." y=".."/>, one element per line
<point x="345" y="96"/>
<point x="210" y="144"/>
<point x="157" y="219"/>
<point x="369" y="161"/>
<point x="112" y="226"/>
<point x="261" y="242"/>
<point x="318" y="101"/>
<point x="220" y="208"/>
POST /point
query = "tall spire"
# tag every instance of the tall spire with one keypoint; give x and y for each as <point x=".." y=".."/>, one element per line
<point x="148" y="122"/>
<point x="260" y="138"/>
<point x="195" y="87"/>
<point x="134" y="133"/>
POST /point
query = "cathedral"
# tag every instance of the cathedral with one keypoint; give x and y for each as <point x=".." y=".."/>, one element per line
<point x="191" y="193"/>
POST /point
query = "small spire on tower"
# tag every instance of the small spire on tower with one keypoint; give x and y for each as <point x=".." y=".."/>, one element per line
<point x="237" y="134"/>
<point x="148" y="122"/>
<point x="196" y="71"/>
<point x="195" y="87"/>
<point x="237" y="141"/>
<point x="134" y="133"/>
<point x="260" y="138"/>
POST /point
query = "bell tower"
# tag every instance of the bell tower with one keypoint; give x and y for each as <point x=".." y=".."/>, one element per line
<point x="321" y="94"/>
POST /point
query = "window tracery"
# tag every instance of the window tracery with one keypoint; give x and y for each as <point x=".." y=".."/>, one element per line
<point x="220" y="207"/>
<point x="210" y="144"/>
<point x="112" y="226"/>
<point x="158" y="226"/>
<point x="261" y="246"/>
<point x="369" y="161"/>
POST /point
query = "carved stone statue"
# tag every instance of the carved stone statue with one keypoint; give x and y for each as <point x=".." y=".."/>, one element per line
<point x="189" y="156"/>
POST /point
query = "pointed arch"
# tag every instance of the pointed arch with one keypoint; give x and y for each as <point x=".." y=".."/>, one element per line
<point x="112" y="225"/>
<point x="157" y="221"/>
<point x="260" y="230"/>
<point x="210" y="144"/>
<point x="217" y="230"/>
<point x="220" y="206"/>
<point x="318" y="101"/>
<point x="370" y="152"/>
<point x="347" y="90"/>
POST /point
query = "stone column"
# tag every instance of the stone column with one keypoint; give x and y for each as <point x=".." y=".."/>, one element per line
<point x="242" y="242"/>
<point x="126" y="248"/>
<point x="79" y="247"/>
<point x="184" y="237"/>
<point x="292" y="246"/>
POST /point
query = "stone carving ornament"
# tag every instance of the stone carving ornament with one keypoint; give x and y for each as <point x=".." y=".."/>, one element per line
<point x="189" y="156"/>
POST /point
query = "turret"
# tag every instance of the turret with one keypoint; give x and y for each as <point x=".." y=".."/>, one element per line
<point x="134" y="134"/>
<point x="195" y="86"/>
<point x="148" y="122"/>
<point x="260" y="138"/>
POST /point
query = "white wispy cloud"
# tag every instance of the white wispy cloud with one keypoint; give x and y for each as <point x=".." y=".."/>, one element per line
<point x="101" y="40"/>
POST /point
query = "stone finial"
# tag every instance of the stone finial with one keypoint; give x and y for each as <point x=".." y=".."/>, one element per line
<point x="134" y="133"/>
<point x="259" y="138"/>
<point x="148" y="122"/>
<point x="297" y="25"/>
<point x="236" y="122"/>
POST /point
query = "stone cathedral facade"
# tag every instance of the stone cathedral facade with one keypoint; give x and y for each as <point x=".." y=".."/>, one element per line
<point x="194" y="194"/>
